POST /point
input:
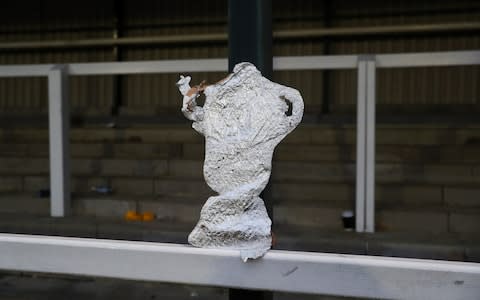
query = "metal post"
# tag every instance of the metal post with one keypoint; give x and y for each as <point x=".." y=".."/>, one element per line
<point x="250" y="34"/>
<point x="370" y="148"/>
<point x="59" y="123"/>
<point x="361" y="140"/>
<point x="250" y="40"/>
<point x="117" y="96"/>
<point x="365" y="181"/>
<point x="327" y="23"/>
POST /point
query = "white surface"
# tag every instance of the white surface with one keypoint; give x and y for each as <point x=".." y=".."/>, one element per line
<point x="288" y="271"/>
<point x="24" y="70"/>
<point x="365" y="163"/>
<point x="370" y="147"/>
<point x="325" y="62"/>
<point x="157" y="66"/>
<point x="243" y="119"/>
<point x="360" y="162"/>
<point x="420" y="59"/>
<point x="59" y="124"/>
<point x="428" y="59"/>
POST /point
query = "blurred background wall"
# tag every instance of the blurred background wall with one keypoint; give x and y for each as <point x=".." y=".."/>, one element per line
<point x="185" y="29"/>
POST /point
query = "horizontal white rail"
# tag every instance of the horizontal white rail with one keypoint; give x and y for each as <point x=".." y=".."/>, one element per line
<point x="25" y="70"/>
<point x="280" y="63"/>
<point x="289" y="271"/>
<point x="324" y="62"/>
<point x="433" y="59"/>
<point x="159" y="66"/>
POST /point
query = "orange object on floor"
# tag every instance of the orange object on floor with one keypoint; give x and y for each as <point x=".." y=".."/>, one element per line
<point x="148" y="216"/>
<point x="132" y="215"/>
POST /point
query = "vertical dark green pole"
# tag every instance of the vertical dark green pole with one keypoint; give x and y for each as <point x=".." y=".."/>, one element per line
<point x="327" y="22"/>
<point x="250" y="34"/>
<point x="118" y="20"/>
<point x="250" y="40"/>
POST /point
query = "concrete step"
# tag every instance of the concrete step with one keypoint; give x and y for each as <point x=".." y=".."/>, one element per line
<point x="127" y="186"/>
<point x="320" y="214"/>
<point x="109" y="206"/>
<point x="387" y="194"/>
<point x="418" y="154"/>
<point x="11" y="184"/>
<point x="284" y="152"/>
<point x="384" y="172"/>
<point x="386" y="134"/>
<point x="162" y="134"/>
<point x="20" y="203"/>
<point x="327" y="217"/>
<point x="91" y="167"/>
<point x="427" y="245"/>
<point x="435" y="220"/>
<point x="96" y="227"/>
<point x="98" y="150"/>
<point x="428" y="219"/>
<point x="283" y="171"/>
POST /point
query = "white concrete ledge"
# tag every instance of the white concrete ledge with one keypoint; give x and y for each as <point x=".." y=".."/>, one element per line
<point x="289" y="271"/>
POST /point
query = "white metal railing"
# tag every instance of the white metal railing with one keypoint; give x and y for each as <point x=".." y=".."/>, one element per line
<point x="288" y="271"/>
<point x="283" y="271"/>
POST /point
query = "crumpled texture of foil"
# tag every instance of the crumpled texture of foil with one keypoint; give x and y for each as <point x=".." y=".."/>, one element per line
<point x="244" y="117"/>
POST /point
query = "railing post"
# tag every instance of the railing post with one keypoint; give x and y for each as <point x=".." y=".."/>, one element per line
<point x="370" y="147"/>
<point x="365" y="163"/>
<point x="59" y="125"/>
<point x="361" y="133"/>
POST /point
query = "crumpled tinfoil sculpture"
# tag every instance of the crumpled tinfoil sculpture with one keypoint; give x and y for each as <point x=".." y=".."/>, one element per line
<point x="244" y="117"/>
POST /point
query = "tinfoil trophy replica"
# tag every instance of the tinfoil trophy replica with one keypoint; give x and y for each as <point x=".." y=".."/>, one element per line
<point x="244" y="117"/>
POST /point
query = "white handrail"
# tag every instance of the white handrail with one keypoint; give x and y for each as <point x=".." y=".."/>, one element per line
<point x="428" y="59"/>
<point x="287" y="271"/>
<point x="321" y="62"/>
<point x="25" y="70"/>
<point x="324" y="62"/>
<point x="159" y="66"/>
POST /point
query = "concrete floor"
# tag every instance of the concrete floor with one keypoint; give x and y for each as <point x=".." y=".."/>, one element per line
<point x="44" y="287"/>
<point x="23" y="286"/>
